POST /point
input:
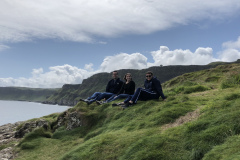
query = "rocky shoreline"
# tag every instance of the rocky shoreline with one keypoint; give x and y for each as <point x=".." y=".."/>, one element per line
<point x="12" y="133"/>
<point x="8" y="140"/>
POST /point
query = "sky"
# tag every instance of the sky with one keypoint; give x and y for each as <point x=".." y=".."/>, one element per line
<point x="45" y="44"/>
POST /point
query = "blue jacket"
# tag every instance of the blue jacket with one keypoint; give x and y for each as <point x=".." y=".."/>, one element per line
<point x="154" y="85"/>
<point x="114" y="86"/>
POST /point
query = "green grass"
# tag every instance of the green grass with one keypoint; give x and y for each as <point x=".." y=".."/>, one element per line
<point x="136" y="133"/>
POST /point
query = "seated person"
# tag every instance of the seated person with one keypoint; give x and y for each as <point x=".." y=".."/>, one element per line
<point x="153" y="90"/>
<point x="127" y="89"/>
<point x="113" y="87"/>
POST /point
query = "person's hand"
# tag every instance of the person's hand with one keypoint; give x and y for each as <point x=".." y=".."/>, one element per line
<point x="115" y="96"/>
<point x="104" y="99"/>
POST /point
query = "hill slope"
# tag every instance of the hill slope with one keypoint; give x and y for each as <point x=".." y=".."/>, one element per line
<point x="199" y="120"/>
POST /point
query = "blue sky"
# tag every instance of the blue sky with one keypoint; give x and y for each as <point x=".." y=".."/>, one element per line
<point x="48" y="44"/>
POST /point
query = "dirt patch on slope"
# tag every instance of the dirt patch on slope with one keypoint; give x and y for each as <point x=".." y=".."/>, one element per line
<point x="190" y="116"/>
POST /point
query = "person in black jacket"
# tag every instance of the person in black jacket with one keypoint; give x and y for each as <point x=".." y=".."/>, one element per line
<point x="113" y="87"/>
<point x="127" y="89"/>
<point x="153" y="90"/>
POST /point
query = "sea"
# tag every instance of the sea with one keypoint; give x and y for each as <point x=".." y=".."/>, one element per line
<point x="14" y="111"/>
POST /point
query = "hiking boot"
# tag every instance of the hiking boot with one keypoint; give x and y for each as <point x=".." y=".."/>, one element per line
<point x="117" y="104"/>
<point x="99" y="102"/>
<point x="84" y="100"/>
<point x="89" y="102"/>
<point x="127" y="104"/>
<point x="114" y="105"/>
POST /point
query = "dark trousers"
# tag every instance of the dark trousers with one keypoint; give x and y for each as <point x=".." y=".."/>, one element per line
<point x="97" y="96"/>
<point x="142" y="94"/>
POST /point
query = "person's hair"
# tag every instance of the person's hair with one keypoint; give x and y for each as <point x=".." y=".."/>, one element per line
<point x="116" y="72"/>
<point x="149" y="72"/>
<point x="125" y="77"/>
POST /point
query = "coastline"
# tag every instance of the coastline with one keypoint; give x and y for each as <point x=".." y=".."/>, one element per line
<point x="15" y="111"/>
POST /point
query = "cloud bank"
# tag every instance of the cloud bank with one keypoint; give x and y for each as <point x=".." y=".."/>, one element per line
<point x="67" y="74"/>
<point x="83" y="20"/>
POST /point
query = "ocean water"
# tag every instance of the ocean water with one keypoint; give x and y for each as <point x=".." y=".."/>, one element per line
<point x="14" y="111"/>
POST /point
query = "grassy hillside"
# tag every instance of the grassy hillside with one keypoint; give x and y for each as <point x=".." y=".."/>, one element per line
<point x="199" y="120"/>
<point x="25" y="94"/>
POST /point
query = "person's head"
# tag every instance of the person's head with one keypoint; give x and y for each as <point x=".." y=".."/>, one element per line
<point x="128" y="77"/>
<point x="114" y="74"/>
<point x="149" y="75"/>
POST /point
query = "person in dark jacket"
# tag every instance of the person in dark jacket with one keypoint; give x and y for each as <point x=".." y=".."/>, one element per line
<point x="113" y="87"/>
<point x="127" y="89"/>
<point x="153" y="90"/>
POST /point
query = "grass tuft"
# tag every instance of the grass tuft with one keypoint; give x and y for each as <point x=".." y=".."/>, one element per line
<point x="232" y="96"/>
<point x="193" y="89"/>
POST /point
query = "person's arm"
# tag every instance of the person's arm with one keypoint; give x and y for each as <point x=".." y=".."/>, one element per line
<point x="145" y="84"/>
<point x="108" y="86"/>
<point x="158" y="87"/>
<point x="132" y="87"/>
<point x="120" y="86"/>
<point x="121" y="90"/>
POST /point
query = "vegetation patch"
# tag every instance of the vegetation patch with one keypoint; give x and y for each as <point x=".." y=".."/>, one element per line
<point x="32" y="139"/>
<point x="212" y="79"/>
<point x="198" y="88"/>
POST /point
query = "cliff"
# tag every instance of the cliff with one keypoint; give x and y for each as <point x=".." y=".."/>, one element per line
<point x="25" y="94"/>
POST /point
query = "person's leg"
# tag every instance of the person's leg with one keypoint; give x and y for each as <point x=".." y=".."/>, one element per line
<point x="104" y="95"/>
<point x="136" y="95"/>
<point x="94" y="96"/>
<point x="145" y="95"/>
<point x="111" y="98"/>
<point x="128" y="99"/>
<point x="118" y="97"/>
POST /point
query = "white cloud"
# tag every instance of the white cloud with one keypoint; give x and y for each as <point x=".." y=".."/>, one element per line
<point x="232" y="44"/>
<point x="124" y="61"/>
<point x="82" y="20"/>
<point x="88" y="67"/>
<point x="54" y="78"/>
<point x="229" y="55"/>
<point x="231" y="51"/>
<point x="164" y="56"/>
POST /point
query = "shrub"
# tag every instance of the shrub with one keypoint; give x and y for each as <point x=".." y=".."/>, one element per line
<point x="212" y="79"/>
<point x="29" y="145"/>
<point x="230" y="82"/>
<point x="179" y="89"/>
<point x="232" y="96"/>
<point x="193" y="89"/>
<point x="28" y="141"/>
